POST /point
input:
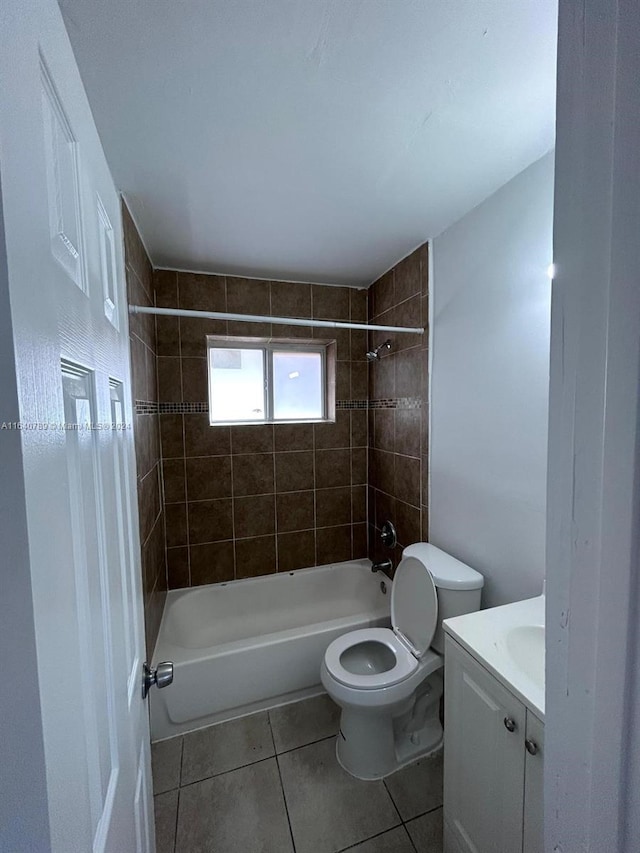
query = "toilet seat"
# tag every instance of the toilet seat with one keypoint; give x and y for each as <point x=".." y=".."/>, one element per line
<point x="414" y="617"/>
<point x="405" y="663"/>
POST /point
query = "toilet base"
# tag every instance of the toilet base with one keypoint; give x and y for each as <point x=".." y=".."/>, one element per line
<point x="371" y="745"/>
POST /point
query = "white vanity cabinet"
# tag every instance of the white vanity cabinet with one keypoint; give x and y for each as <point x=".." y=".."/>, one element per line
<point x="492" y="763"/>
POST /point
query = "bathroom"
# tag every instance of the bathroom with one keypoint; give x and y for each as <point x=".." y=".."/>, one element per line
<point x="276" y="498"/>
<point x="260" y="483"/>
<point x="319" y="292"/>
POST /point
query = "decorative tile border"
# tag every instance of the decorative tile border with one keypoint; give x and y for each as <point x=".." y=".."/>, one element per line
<point x="148" y="408"/>
<point x="182" y="408"/>
<point x="396" y="403"/>
<point x="142" y="407"/>
<point x="352" y="404"/>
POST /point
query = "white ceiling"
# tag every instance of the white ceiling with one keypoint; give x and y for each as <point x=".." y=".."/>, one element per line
<point x="319" y="140"/>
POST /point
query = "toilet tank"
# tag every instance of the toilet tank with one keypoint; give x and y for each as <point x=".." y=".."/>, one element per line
<point x="459" y="587"/>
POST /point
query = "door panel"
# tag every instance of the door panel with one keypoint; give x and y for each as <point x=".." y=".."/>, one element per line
<point x="63" y="183"/>
<point x="65" y="263"/>
<point x="93" y="605"/>
<point x="122" y="476"/>
<point x="484" y="761"/>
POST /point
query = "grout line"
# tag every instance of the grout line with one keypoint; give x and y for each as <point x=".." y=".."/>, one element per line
<point x="404" y="826"/>
<point x="392" y="800"/>
<point x="423" y="814"/>
<point x="284" y="797"/>
<point x="303" y="745"/>
<point x="371" y="837"/>
<point x="133" y="269"/>
<point x="153" y="527"/>
<point x="169" y="790"/>
<point x="213" y="500"/>
<point x="225" y="772"/>
<point x="175" y="828"/>
<point x="416" y="817"/>
<point x="197" y="455"/>
<point x="181" y="761"/>
<point x="273" y="740"/>
<point x="259" y="536"/>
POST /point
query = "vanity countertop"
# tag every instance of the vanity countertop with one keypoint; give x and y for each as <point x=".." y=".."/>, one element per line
<point x="509" y="642"/>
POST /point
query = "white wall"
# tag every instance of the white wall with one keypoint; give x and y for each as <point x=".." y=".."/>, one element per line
<point x="24" y="817"/>
<point x="490" y="384"/>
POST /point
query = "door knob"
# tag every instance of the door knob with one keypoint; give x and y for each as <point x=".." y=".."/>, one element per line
<point x="509" y="724"/>
<point x="161" y="676"/>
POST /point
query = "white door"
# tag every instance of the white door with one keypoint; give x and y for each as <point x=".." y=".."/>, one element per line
<point x="69" y="314"/>
<point x="483" y="759"/>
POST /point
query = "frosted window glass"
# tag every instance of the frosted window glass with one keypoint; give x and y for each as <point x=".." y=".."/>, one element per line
<point x="297" y="386"/>
<point x="236" y="384"/>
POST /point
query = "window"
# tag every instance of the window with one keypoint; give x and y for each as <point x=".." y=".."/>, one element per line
<point x="253" y="380"/>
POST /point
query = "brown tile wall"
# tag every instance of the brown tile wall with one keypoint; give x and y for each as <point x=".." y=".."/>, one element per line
<point x="398" y="436"/>
<point x="143" y="342"/>
<point x="252" y="500"/>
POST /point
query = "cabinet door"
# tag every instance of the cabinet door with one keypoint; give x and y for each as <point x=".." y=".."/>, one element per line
<point x="483" y="759"/>
<point x="533" y="841"/>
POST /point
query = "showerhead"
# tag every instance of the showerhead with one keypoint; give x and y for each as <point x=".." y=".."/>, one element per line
<point x="374" y="354"/>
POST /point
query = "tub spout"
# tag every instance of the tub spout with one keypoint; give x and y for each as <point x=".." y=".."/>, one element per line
<point x="384" y="566"/>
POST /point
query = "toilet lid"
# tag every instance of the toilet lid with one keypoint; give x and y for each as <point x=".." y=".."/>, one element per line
<point x="414" y="604"/>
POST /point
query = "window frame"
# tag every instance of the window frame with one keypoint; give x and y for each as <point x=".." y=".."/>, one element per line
<point x="325" y="348"/>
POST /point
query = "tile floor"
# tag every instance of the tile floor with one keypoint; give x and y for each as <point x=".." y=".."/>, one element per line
<point x="270" y="783"/>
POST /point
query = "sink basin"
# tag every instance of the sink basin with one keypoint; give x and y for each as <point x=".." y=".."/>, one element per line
<point x="525" y="645"/>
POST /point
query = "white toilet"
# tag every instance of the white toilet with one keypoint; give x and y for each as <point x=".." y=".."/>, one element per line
<point x="389" y="681"/>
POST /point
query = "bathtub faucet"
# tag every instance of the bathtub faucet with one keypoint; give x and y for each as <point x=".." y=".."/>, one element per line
<point x="384" y="566"/>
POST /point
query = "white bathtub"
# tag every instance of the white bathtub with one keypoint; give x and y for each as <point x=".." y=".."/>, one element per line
<point x="247" y="645"/>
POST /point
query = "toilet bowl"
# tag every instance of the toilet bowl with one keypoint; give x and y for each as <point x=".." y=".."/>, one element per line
<point x="388" y="681"/>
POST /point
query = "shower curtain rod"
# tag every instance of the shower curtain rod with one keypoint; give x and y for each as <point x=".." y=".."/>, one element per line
<point x="284" y="321"/>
